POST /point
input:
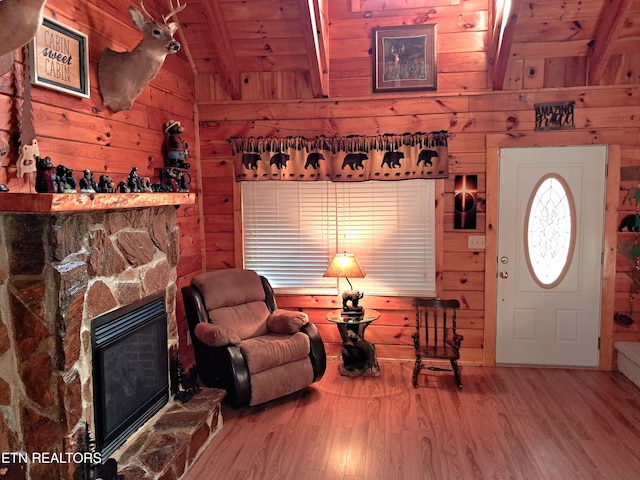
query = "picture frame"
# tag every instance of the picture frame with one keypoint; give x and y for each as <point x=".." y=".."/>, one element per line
<point x="59" y="59"/>
<point x="405" y="58"/>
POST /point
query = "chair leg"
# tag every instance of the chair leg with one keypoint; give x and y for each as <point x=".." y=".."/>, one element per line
<point x="416" y="370"/>
<point x="456" y="372"/>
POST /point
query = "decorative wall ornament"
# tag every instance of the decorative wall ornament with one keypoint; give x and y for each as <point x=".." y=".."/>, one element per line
<point x="554" y="116"/>
<point x="123" y="75"/>
<point x="59" y="58"/>
<point x="465" y="202"/>
<point x="20" y="22"/>
<point x="339" y="159"/>
<point x="405" y="58"/>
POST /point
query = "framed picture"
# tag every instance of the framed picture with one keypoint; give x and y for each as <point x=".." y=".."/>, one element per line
<point x="405" y="58"/>
<point x="60" y="59"/>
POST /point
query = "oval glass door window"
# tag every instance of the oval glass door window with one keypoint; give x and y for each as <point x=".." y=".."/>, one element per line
<point x="550" y="230"/>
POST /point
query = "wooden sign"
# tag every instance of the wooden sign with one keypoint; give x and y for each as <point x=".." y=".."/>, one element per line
<point x="554" y="116"/>
<point x="60" y="59"/>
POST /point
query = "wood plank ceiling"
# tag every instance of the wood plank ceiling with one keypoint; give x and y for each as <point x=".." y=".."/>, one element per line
<point x="598" y="39"/>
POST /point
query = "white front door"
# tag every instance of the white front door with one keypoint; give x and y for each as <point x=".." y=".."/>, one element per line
<point x="550" y="241"/>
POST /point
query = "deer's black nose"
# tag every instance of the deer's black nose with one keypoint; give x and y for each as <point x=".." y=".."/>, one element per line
<point x="173" y="46"/>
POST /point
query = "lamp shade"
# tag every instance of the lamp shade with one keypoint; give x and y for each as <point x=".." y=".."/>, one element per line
<point x="344" y="265"/>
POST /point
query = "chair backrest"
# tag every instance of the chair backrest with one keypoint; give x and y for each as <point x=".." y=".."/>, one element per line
<point x="435" y="321"/>
<point x="235" y="298"/>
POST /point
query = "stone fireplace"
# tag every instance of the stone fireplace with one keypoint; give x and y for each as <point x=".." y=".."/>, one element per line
<point x="58" y="271"/>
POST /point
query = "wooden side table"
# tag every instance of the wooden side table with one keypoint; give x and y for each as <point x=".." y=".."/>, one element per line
<point x="358" y="355"/>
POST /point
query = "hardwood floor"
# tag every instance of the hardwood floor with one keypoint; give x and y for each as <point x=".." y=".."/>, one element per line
<point x="506" y="423"/>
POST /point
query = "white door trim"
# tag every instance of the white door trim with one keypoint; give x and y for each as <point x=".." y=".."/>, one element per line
<point x="534" y="139"/>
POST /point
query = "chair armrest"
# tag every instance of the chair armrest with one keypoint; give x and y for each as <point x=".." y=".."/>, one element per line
<point x="286" y="321"/>
<point x="317" y="352"/>
<point x="240" y="393"/>
<point x="225" y="368"/>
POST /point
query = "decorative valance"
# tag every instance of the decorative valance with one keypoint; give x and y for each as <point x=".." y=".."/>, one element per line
<point x="342" y="159"/>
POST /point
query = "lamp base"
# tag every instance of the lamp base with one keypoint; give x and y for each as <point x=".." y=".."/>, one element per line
<point x="352" y="312"/>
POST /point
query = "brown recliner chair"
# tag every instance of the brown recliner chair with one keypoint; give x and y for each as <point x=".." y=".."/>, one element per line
<point x="244" y="344"/>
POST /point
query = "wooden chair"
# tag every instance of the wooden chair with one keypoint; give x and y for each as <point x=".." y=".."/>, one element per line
<point x="435" y="337"/>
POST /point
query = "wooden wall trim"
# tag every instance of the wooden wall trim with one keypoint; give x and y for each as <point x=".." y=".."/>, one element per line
<point x="439" y="215"/>
<point x="494" y="142"/>
<point x="609" y="258"/>
<point x="238" y="230"/>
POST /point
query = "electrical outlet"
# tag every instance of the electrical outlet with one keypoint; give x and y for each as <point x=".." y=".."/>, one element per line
<point x="476" y="242"/>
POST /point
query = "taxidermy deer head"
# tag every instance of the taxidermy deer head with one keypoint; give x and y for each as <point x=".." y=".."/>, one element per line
<point x="20" y="22"/>
<point x="123" y="75"/>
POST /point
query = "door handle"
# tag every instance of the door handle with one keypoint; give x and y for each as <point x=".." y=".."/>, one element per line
<point x="504" y="274"/>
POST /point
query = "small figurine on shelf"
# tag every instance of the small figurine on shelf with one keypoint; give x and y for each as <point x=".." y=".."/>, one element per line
<point x="145" y="185"/>
<point x="169" y="178"/>
<point x="46" y="179"/>
<point x="87" y="184"/>
<point x="174" y="180"/>
<point x="26" y="165"/>
<point x="106" y="184"/>
<point x="122" y="187"/>
<point x="176" y="150"/>
<point x="160" y="187"/>
<point x="134" y="182"/>
<point x="184" y="179"/>
<point x="65" y="177"/>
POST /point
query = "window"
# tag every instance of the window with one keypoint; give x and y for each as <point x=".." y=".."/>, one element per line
<point x="293" y="229"/>
<point x="550" y="233"/>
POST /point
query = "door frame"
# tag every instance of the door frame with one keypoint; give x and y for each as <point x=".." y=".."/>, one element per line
<point x="494" y="142"/>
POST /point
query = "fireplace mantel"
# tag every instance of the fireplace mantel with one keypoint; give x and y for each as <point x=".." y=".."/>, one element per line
<point x="83" y="202"/>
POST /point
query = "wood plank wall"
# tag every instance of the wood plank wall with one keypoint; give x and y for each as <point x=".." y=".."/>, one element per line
<point x="83" y="134"/>
<point x="603" y="115"/>
<point x="463" y="105"/>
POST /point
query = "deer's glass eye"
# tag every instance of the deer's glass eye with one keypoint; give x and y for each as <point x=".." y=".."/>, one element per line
<point x="156" y="31"/>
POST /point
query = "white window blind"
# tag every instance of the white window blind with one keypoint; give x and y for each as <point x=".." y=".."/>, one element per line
<point x="293" y="229"/>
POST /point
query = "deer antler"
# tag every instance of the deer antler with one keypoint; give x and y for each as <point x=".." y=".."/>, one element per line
<point x="144" y="10"/>
<point x="173" y="11"/>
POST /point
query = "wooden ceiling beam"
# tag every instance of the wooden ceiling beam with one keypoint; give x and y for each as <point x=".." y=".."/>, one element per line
<point x="613" y="17"/>
<point x="502" y="40"/>
<point x="223" y="48"/>
<point x="314" y="26"/>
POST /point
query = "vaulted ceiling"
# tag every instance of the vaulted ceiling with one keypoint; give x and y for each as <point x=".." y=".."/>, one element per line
<point x="596" y="41"/>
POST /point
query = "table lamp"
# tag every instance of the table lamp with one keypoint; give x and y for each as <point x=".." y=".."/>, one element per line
<point x="346" y="265"/>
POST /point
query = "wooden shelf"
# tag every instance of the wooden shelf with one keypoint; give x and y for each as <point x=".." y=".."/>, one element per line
<point x="81" y="202"/>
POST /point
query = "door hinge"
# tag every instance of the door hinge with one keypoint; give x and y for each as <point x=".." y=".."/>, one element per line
<point x="598" y="343"/>
<point x="606" y="170"/>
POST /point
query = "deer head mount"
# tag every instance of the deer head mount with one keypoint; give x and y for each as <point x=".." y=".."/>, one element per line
<point x="20" y="22"/>
<point x="123" y="75"/>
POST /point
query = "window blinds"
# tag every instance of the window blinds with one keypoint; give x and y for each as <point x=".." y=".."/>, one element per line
<point x="293" y="229"/>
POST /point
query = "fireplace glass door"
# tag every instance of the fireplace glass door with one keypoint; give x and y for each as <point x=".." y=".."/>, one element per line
<point x="130" y="370"/>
